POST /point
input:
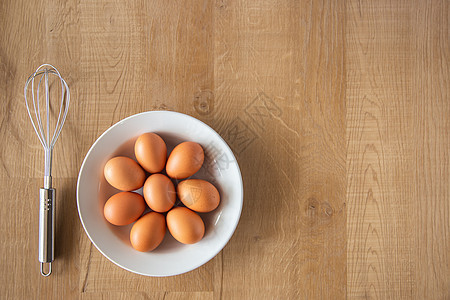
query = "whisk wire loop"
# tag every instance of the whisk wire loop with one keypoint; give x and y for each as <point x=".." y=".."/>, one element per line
<point x="46" y="138"/>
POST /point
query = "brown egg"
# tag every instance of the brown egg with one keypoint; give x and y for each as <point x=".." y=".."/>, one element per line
<point x="185" y="160"/>
<point x="124" y="208"/>
<point x="185" y="225"/>
<point x="198" y="195"/>
<point x="151" y="152"/>
<point x="124" y="174"/>
<point x="159" y="192"/>
<point x="148" y="232"/>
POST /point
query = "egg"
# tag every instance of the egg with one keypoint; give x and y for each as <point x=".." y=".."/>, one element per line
<point x="124" y="174"/>
<point x="198" y="195"/>
<point x="185" y="160"/>
<point x="185" y="225"/>
<point x="148" y="232"/>
<point x="159" y="192"/>
<point x="151" y="152"/>
<point x="124" y="208"/>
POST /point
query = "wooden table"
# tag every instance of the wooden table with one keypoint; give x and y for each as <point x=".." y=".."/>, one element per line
<point x="338" y="113"/>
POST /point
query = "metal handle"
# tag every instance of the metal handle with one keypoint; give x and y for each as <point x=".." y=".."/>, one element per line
<point x="46" y="228"/>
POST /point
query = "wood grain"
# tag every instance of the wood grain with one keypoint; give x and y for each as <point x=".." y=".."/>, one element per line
<point x="398" y="150"/>
<point x="287" y="87"/>
<point x="337" y="111"/>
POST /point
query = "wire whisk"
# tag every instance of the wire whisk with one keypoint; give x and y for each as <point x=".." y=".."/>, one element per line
<point x="40" y="119"/>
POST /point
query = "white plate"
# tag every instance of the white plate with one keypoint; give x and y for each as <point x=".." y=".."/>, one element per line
<point x="171" y="257"/>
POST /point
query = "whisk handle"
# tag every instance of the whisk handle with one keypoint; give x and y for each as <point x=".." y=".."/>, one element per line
<point x="46" y="228"/>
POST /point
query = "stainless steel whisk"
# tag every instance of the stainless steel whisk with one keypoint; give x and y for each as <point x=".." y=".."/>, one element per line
<point x="48" y="139"/>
